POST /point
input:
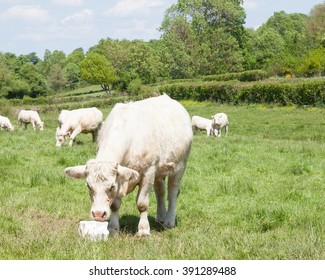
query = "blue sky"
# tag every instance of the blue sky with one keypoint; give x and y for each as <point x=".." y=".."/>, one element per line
<point x="36" y="25"/>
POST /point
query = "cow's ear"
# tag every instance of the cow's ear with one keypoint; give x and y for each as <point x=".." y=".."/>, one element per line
<point x="77" y="172"/>
<point x="127" y="174"/>
<point x="124" y="176"/>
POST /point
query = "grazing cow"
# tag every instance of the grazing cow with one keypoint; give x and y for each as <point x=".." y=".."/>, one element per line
<point x="29" y="116"/>
<point x="62" y="117"/>
<point x="71" y="123"/>
<point x="139" y="145"/>
<point x="219" y="121"/>
<point x="199" y="123"/>
<point x="5" y="123"/>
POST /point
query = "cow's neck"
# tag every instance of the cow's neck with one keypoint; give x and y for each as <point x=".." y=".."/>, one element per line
<point x="113" y="150"/>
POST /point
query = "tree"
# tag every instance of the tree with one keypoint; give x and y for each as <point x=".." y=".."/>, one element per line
<point x="131" y="59"/>
<point x="56" y="77"/>
<point x="76" y="56"/>
<point x="313" y="64"/>
<point x="30" y="73"/>
<point x="72" y="72"/>
<point x="269" y="44"/>
<point x="96" y="70"/>
<point x="16" y="89"/>
<point x="208" y="33"/>
<point x="316" y="23"/>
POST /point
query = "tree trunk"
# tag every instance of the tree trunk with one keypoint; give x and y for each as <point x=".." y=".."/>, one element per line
<point x="107" y="89"/>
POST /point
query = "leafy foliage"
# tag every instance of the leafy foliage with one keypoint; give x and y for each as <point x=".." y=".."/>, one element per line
<point x="198" y="38"/>
<point x="285" y="92"/>
<point x="95" y="69"/>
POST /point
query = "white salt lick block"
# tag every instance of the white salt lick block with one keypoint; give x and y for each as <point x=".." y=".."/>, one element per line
<point x="93" y="230"/>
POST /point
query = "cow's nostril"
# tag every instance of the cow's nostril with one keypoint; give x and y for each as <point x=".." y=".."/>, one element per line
<point x="98" y="214"/>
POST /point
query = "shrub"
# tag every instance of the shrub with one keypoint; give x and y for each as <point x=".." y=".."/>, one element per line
<point x="246" y="76"/>
<point x="284" y="92"/>
<point x="134" y="86"/>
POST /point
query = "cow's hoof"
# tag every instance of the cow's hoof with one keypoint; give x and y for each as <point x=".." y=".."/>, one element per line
<point x="169" y="224"/>
<point x="143" y="233"/>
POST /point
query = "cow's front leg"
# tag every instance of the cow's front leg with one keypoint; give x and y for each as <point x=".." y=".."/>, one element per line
<point x="73" y="136"/>
<point x="114" y="224"/>
<point x="143" y="201"/>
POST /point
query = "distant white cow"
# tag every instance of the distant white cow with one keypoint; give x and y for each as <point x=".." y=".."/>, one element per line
<point x="5" y="123"/>
<point x="29" y="116"/>
<point x="140" y="144"/>
<point x="219" y="121"/>
<point x="199" y="123"/>
<point x="62" y="117"/>
<point x="71" y="123"/>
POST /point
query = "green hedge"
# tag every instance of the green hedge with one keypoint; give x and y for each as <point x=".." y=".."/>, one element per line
<point x="284" y="92"/>
<point x="246" y="76"/>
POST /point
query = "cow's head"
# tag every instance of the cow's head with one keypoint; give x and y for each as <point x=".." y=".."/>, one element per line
<point x="41" y="125"/>
<point x="61" y="137"/>
<point x="105" y="181"/>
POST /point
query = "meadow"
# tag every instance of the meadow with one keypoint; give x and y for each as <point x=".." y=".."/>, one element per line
<point x="257" y="194"/>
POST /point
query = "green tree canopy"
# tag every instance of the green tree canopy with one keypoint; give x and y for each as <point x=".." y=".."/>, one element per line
<point x="96" y="70"/>
<point x="208" y="35"/>
<point x="316" y="23"/>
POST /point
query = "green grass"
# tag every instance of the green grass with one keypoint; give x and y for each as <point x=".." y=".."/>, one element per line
<point x="257" y="194"/>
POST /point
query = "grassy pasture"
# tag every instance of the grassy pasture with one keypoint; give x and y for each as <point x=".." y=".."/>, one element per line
<point x="257" y="194"/>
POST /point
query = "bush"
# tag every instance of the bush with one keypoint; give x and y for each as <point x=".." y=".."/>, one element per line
<point x="134" y="86"/>
<point x="284" y="92"/>
<point x="246" y="76"/>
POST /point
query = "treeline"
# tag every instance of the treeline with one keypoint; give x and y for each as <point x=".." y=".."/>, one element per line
<point x="203" y="39"/>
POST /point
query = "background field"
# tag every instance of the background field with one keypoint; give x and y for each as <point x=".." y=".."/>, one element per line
<point x="257" y="194"/>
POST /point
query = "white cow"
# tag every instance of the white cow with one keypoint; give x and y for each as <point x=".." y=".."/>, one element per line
<point x="29" y="116"/>
<point x="139" y="145"/>
<point x="5" y="123"/>
<point x="62" y="117"/>
<point x="219" y="121"/>
<point x="71" y="123"/>
<point x="199" y="123"/>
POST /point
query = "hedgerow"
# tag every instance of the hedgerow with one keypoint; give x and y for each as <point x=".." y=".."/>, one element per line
<point x="245" y="76"/>
<point x="283" y="92"/>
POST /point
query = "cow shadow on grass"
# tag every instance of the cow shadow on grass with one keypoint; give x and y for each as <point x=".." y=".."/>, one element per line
<point x="129" y="224"/>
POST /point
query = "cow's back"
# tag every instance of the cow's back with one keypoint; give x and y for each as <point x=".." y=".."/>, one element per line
<point x="153" y="131"/>
<point x="24" y="116"/>
<point x="87" y="118"/>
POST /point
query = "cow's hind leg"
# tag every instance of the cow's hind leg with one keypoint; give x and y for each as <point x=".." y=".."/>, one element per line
<point x="173" y="191"/>
<point x="160" y="191"/>
<point x="95" y="135"/>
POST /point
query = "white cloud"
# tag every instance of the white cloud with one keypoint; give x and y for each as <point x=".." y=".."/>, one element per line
<point x="27" y="13"/>
<point x="68" y="2"/>
<point x="129" y="7"/>
<point x="134" y="29"/>
<point x="84" y="16"/>
<point x="250" y="4"/>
